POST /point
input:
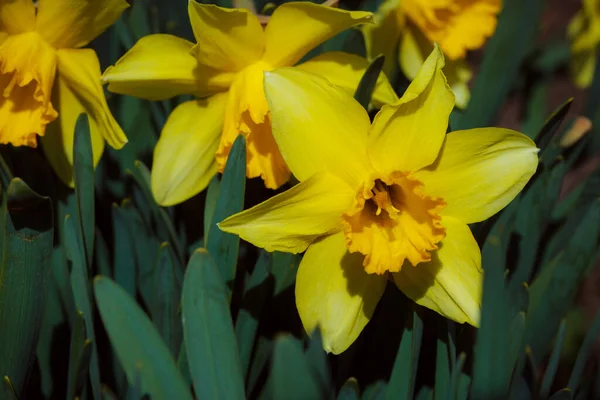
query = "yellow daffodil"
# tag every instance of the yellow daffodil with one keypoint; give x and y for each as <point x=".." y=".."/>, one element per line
<point x="387" y="200"/>
<point x="412" y="26"/>
<point x="227" y="63"/>
<point x="584" y="33"/>
<point x="47" y="80"/>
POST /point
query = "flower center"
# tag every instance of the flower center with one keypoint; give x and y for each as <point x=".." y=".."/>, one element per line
<point x="456" y="25"/>
<point x="393" y="221"/>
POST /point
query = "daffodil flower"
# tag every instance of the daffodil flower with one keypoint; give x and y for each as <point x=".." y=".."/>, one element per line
<point x="47" y="79"/>
<point x="584" y="34"/>
<point x="412" y="26"/>
<point x="387" y="200"/>
<point x="232" y="52"/>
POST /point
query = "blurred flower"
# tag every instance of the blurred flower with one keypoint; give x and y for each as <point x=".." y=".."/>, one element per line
<point x="47" y="80"/>
<point x="414" y="25"/>
<point x="387" y="200"/>
<point x="584" y="34"/>
<point x="228" y="62"/>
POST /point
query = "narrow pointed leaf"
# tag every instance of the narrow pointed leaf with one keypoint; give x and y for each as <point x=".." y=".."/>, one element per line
<point x="367" y="83"/>
<point x="552" y="366"/>
<point x="208" y="331"/>
<point x="222" y="246"/>
<point x="291" y="376"/>
<point x="137" y="344"/>
<point x="591" y="337"/>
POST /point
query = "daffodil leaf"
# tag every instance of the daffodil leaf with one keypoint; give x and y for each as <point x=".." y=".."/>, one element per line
<point x="258" y="291"/>
<point x="456" y="379"/>
<point x="547" y="140"/>
<point x="552" y="365"/>
<point x="504" y="54"/>
<point x="138" y="346"/>
<point x="167" y="279"/>
<point x="230" y="200"/>
<point x="80" y="353"/>
<point x="535" y="115"/>
<point x="404" y="373"/>
<point x="9" y="390"/>
<point x="442" y="364"/>
<point x="317" y="358"/>
<point x="349" y="390"/>
<point x="124" y="252"/>
<point x="208" y="331"/>
<point x="84" y="185"/>
<point x="81" y="294"/>
<point x="212" y="195"/>
<point x="584" y="353"/>
<point x="563" y="394"/>
<point x="290" y="372"/>
<point x="262" y="354"/>
<point x="367" y="84"/>
<point x="376" y="391"/>
<point x="26" y="248"/>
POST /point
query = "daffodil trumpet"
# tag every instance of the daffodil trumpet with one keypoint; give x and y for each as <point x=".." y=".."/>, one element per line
<point x="225" y="70"/>
<point x="405" y="31"/>
<point x="47" y="79"/>
<point x="384" y="200"/>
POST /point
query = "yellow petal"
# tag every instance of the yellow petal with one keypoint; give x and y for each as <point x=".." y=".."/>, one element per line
<point x="75" y="23"/>
<point x="58" y="141"/>
<point x="184" y="157"/>
<point x="413" y="50"/>
<point x="161" y="66"/>
<point x="479" y="171"/>
<point x="27" y="70"/>
<point x="228" y="39"/>
<point x="451" y="283"/>
<point x="247" y="113"/>
<point x="294" y="219"/>
<point x="17" y="16"/>
<point x="408" y="135"/>
<point x="80" y="70"/>
<point x="334" y="292"/>
<point x="382" y="36"/>
<point x="457" y="26"/>
<point x="346" y="70"/>
<point x="317" y="126"/>
<point x="296" y="28"/>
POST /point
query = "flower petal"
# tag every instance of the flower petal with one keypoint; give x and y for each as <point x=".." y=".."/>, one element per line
<point x="346" y="70"/>
<point x="228" y="39"/>
<point x="317" y="126"/>
<point x="161" y="66"/>
<point x="382" y="36"/>
<point x="414" y="48"/>
<point x="334" y="293"/>
<point x="451" y="283"/>
<point x="247" y="113"/>
<point x="80" y="70"/>
<point x="479" y="171"/>
<point x="296" y="28"/>
<point x="75" y="23"/>
<point x="17" y="16"/>
<point x="184" y="157"/>
<point x="408" y="135"/>
<point x="27" y="71"/>
<point x="58" y="140"/>
<point x="294" y="219"/>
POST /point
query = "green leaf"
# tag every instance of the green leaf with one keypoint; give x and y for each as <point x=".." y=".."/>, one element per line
<point x="455" y="379"/>
<point x="208" y="331"/>
<point x="166" y="293"/>
<point x="349" y="390"/>
<point x="504" y="53"/>
<point x="564" y="394"/>
<point x="137" y="344"/>
<point x="552" y="365"/>
<point x="367" y="83"/>
<point x="79" y="357"/>
<point x="317" y="358"/>
<point x="212" y="195"/>
<point x="9" y="390"/>
<point x="81" y="294"/>
<point x="284" y="268"/>
<point x="264" y="349"/>
<point x="404" y="372"/>
<point x="375" y="391"/>
<point x="546" y="136"/>
<point x="26" y="247"/>
<point x="591" y="338"/>
<point x="554" y="290"/>
<point x="442" y="364"/>
<point x="259" y="290"/>
<point x="224" y="246"/>
<point x="84" y="185"/>
<point x="291" y="376"/>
